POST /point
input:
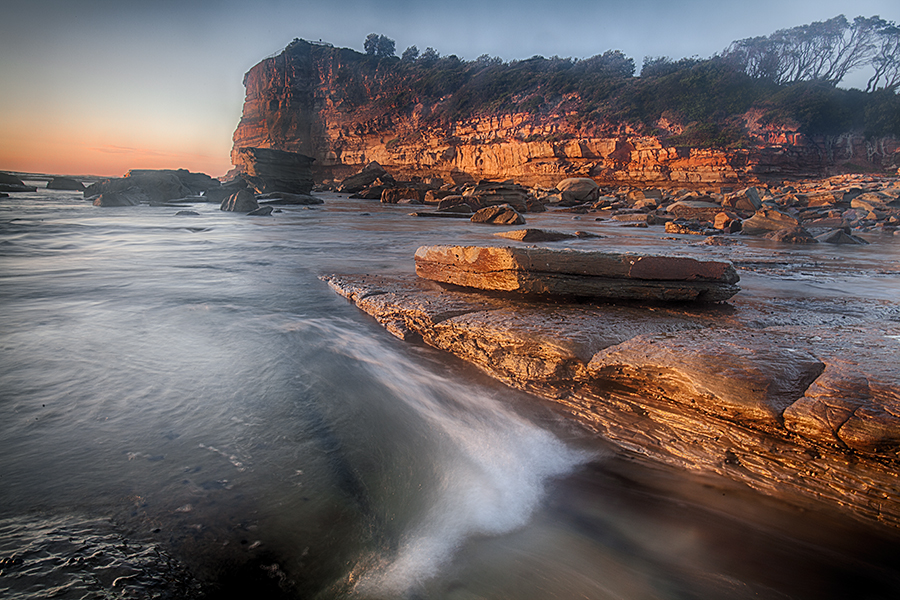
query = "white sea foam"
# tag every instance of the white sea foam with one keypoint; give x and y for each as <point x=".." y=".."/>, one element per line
<point x="492" y="474"/>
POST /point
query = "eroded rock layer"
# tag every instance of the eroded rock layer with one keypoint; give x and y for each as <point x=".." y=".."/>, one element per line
<point x="712" y="390"/>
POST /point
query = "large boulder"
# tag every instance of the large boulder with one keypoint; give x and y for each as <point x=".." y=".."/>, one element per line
<point x="491" y="193"/>
<point x="65" y="183"/>
<point x="269" y="170"/>
<point x="156" y="186"/>
<point x="582" y="274"/>
<point x="241" y="201"/>
<point x="578" y="189"/>
<point x="365" y="178"/>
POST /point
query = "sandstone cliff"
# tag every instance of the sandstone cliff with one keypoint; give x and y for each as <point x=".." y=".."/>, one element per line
<point x="346" y="109"/>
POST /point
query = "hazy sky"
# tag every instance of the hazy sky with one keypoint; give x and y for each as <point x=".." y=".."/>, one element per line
<point x="101" y="86"/>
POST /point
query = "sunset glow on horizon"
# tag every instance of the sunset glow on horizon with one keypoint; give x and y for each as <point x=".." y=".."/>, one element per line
<point x="99" y="87"/>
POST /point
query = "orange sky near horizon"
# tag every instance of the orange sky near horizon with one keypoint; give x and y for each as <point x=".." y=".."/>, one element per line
<point x="55" y="157"/>
<point x="114" y="136"/>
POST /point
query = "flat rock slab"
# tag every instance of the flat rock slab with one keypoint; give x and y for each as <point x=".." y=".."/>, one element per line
<point x="698" y="387"/>
<point x="549" y="272"/>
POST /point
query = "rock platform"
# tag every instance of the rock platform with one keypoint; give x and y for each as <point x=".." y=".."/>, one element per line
<point x="801" y="404"/>
<point x="546" y="271"/>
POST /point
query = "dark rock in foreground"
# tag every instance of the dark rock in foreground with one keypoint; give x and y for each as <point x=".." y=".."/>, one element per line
<point x="580" y="274"/>
<point x="775" y="406"/>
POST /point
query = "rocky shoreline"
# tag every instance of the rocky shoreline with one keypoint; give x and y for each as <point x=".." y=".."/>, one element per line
<point x="774" y="403"/>
<point x="799" y="402"/>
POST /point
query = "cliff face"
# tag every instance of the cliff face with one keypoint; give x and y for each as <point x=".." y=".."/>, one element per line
<point x="341" y="108"/>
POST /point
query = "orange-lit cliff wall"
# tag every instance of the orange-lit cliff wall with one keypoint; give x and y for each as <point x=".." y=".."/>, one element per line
<point x="332" y="104"/>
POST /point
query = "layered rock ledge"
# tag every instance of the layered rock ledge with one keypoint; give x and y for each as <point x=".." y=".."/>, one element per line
<point x="800" y="408"/>
<point x="582" y="274"/>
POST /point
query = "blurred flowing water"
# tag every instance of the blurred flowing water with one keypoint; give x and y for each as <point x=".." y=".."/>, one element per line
<point x="187" y="411"/>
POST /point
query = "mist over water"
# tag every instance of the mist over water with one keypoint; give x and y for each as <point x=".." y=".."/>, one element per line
<point x="183" y="400"/>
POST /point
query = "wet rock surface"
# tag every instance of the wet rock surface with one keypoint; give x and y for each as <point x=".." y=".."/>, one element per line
<point x="793" y="395"/>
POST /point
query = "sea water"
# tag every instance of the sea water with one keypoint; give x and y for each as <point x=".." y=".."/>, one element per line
<point x="188" y="411"/>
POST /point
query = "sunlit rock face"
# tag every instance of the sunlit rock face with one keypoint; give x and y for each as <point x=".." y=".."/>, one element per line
<point x="344" y="110"/>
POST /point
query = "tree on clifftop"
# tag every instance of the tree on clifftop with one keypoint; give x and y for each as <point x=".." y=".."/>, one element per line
<point x="822" y="51"/>
<point x="379" y="45"/>
<point x="410" y="54"/>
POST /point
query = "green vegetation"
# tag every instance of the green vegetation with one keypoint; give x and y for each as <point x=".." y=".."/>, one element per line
<point x="707" y="97"/>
